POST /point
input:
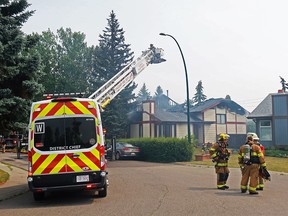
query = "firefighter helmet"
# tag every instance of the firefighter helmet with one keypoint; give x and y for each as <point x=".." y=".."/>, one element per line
<point x="253" y="135"/>
<point x="223" y="136"/>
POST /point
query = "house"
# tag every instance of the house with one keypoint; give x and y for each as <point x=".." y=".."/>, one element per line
<point x="207" y="120"/>
<point x="271" y="118"/>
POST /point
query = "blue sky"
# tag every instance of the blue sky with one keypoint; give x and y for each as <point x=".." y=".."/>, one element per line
<point x="237" y="48"/>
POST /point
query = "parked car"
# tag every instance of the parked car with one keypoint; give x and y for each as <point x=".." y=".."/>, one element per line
<point x="126" y="150"/>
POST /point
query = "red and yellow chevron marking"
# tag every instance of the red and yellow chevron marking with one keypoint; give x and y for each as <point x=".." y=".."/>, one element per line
<point x="59" y="163"/>
<point x="60" y="108"/>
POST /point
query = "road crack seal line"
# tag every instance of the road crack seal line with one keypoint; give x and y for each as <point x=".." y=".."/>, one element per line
<point x="165" y="192"/>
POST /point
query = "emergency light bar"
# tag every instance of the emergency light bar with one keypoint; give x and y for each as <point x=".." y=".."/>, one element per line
<point x="55" y="95"/>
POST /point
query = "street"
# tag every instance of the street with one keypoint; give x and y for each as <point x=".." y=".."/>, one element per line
<point x="142" y="188"/>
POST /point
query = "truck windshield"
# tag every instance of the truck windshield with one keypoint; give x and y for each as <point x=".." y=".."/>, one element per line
<point x="65" y="133"/>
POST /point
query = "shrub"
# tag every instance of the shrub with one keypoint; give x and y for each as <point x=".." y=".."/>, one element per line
<point x="163" y="149"/>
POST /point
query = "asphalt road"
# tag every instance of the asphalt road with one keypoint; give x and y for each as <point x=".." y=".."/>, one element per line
<point x="140" y="188"/>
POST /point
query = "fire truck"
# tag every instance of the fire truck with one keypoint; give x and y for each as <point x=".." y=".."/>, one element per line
<point x="66" y="141"/>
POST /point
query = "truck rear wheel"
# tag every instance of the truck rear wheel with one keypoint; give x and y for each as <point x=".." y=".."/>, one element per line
<point x="103" y="193"/>
<point x="38" y="196"/>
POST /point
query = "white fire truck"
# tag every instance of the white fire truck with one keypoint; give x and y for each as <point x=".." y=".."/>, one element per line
<point x="66" y="142"/>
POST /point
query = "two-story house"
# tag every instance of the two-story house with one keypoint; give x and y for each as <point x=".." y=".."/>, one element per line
<point x="207" y="121"/>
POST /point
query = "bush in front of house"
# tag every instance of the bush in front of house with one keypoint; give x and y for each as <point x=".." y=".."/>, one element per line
<point x="163" y="149"/>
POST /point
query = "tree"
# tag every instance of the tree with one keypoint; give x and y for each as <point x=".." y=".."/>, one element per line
<point x="199" y="96"/>
<point x="228" y="97"/>
<point x="143" y="94"/>
<point x="159" y="91"/>
<point x="19" y="66"/>
<point x="112" y="55"/>
<point x="64" y="60"/>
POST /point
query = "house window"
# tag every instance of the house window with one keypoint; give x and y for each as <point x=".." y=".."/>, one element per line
<point x="221" y="119"/>
<point x="265" y="130"/>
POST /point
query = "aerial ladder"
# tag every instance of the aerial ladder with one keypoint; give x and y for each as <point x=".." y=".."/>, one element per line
<point x="124" y="77"/>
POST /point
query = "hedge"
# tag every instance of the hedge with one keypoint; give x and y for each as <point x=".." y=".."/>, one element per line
<point x="163" y="149"/>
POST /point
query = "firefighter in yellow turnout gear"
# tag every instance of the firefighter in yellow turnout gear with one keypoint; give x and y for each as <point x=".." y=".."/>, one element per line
<point x="220" y="156"/>
<point x="250" y="158"/>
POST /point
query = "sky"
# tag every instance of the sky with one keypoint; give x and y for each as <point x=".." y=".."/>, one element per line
<point x="236" y="48"/>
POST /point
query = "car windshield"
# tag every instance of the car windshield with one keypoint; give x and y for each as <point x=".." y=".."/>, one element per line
<point x="127" y="145"/>
<point x="64" y="133"/>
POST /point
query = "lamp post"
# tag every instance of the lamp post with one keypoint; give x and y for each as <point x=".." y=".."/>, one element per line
<point x="187" y="86"/>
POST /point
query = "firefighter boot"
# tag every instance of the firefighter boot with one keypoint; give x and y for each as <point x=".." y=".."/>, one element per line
<point x="253" y="192"/>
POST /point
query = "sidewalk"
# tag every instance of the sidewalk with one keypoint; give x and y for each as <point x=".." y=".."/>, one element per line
<point x="17" y="169"/>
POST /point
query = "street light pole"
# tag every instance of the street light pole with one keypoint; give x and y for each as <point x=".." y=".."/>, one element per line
<point x="187" y="86"/>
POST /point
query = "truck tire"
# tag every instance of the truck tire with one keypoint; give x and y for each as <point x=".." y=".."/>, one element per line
<point x="103" y="193"/>
<point x="38" y="196"/>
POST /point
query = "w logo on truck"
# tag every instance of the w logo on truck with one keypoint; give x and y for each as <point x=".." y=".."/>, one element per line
<point x="39" y="128"/>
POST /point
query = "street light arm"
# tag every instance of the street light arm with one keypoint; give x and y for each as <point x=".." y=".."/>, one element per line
<point x="187" y="86"/>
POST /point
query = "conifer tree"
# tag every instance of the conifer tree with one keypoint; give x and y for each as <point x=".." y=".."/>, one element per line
<point x="143" y="94"/>
<point x="112" y="55"/>
<point x="199" y="95"/>
<point x="159" y="91"/>
<point x="19" y="66"/>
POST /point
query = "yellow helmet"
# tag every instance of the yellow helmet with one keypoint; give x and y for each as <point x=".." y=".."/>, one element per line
<point x="223" y="136"/>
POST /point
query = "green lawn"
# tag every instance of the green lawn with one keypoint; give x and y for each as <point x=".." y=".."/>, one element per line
<point x="273" y="163"/>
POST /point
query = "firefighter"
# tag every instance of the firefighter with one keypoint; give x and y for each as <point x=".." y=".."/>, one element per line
<point x="260" y="185"/>
<point x="220" y="156"/>
<point x="250" y="157"/>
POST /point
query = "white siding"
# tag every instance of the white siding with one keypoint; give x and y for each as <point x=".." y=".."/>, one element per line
<point x="146" y="130"/>
<point x="209" y="115"/>
<point x="134" y="130"/>
<point x="210" y="131"/>
<point x="220" y="110"/>
<point x="149" y="106"/>
<point x="181" y="130"/>
<point x="231" y="117"/>
<point x="231" y="129"/>
<point x="241" y="118"/>
<point x="241" y="128"/>
<point x="221" y="128"/>
<point x="146" y="117"/>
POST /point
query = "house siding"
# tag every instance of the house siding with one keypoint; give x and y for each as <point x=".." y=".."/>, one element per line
<point x="209" y="115"/>
<point x="241" y="128"/>
<point x="146" y="130"/>
<point x="134" y="130"/>
<point x="221" y="128"/>
<point x="210" y="133"/>
<point x="181" y="130"/>
<point x="220" y="110"/>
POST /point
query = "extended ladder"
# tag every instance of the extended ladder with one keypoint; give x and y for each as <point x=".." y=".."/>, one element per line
<point x="123" y="78"/>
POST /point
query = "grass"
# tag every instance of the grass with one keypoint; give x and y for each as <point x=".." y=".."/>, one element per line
<point x="278" y="164"/>
<point x="4" y="176"/>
